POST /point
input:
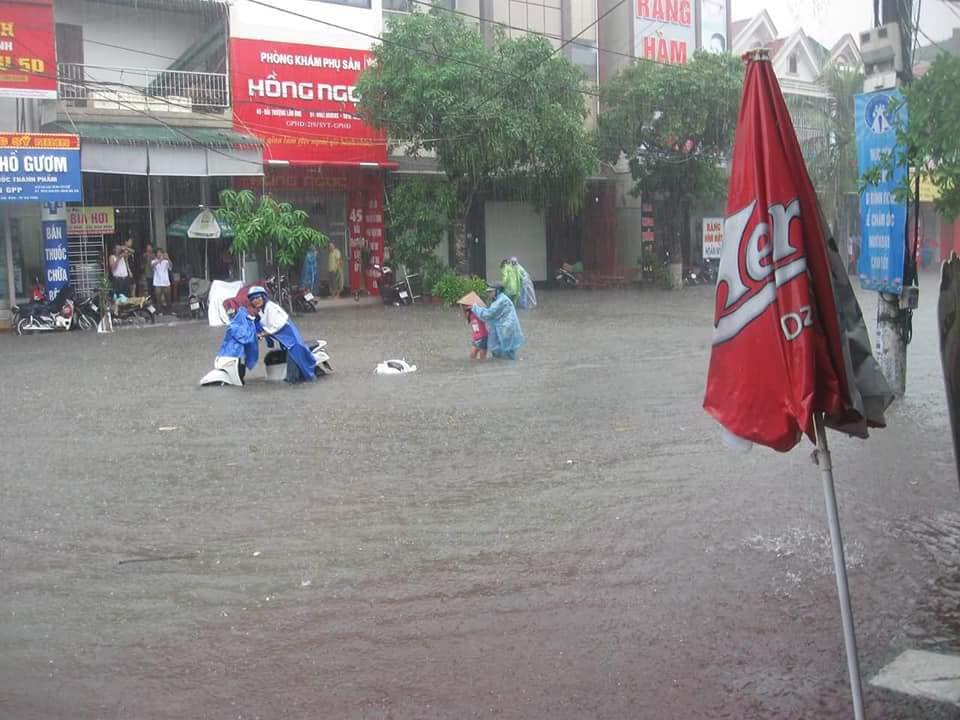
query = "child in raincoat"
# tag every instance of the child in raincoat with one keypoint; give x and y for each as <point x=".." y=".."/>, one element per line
<point x="504" y="334"/>
<point x="479" y="335"/>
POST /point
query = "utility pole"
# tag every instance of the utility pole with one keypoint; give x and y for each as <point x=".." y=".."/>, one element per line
<point x="894" y="312"/>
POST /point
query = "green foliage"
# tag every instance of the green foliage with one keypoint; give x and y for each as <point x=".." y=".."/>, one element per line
<point x="266" y="223"/>
<point x="451" y="287"/>
<point x="833" y="164"/>
<point x="510" y="115"/>
<point x="675" y="124"/>
<point x="930" y="139"/>
<point x="420" y="212"/>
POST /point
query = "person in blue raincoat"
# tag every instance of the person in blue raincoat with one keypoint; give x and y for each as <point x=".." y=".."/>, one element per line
<point x="240" y="341"/>
<point x="275" y="325"/>
<point x="505" y="336"/>
<point x="309" y="273"/>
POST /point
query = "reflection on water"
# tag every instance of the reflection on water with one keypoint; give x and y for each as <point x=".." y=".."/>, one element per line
<point x="935" y="619"/>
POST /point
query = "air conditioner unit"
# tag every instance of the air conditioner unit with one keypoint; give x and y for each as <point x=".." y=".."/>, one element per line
<point x="881" y="50"/>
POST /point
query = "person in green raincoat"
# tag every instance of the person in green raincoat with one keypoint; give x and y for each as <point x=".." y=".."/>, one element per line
<point x="512" y="280"/>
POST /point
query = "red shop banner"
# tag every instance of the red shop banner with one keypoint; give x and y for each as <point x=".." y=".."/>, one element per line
<point x="28" y="58"/>
<point x="301" y="101"/>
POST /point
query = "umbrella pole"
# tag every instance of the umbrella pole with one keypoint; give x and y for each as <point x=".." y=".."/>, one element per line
<point x="839" y="565"/>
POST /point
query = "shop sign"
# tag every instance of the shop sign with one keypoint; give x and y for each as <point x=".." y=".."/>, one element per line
<point x="664" y="31"/>
<point x="296" y="178"/>
<point x="85" y="221"/>
<point x="28" y="60"/>
<point x="40" y="167"/>
<point x="713" y="25"/>
<point x="56" y="262"/>
<point x="883" y="219"/>
<point x="301" y="101"/>
<point x="712" y="238"/>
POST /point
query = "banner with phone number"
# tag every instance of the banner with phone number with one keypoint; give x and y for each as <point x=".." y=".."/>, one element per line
<point x="28" y="58"/>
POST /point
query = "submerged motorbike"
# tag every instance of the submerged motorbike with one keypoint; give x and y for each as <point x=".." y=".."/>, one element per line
<point x="230" y="371"/>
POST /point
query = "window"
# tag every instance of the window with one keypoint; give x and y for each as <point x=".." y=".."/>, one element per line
<point x="792" y="65"/>
<point x="407" y="6"/>
<point x="352" y="3"/>
<point x="584" y="56"/>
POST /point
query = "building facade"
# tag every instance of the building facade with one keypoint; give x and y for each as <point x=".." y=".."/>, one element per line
<point x="145" y="87"/>
<point x="175" y="100"/>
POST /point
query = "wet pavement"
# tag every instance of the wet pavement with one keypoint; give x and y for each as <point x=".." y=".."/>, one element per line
<point x="561" y="537"/>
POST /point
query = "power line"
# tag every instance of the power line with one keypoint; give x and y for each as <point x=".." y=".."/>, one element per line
<point x="553" y="54"/>
<point x="549" y="36"/>
<point x="386" y="41"/>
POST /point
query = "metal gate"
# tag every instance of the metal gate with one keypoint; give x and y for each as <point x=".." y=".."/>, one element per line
<point x="86" y="264"/>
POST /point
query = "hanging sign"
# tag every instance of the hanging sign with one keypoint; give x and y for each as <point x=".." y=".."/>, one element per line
<point x="86" y="221"/>
<point x="56" y="262"/>
<point x="712" y="238"/>
<point x="28" y="60"/>
<point x="664" y="31"/>
<point x="40" y="167"/>
<point x="301" y="101"/>
<point x="883" y="219"/>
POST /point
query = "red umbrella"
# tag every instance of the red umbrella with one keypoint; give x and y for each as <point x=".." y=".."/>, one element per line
<point x="790" y="350"/>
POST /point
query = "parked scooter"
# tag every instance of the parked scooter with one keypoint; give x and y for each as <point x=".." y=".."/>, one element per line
<point x="303" y="300"/>
<point x="197" y="302"/>
<point x="42" y="317"/>
<point x="229" y="371"/>
<point x="565" y="277"/>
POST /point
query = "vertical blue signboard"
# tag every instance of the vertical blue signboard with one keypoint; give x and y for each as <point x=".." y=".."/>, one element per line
<point x="883" y="220"/>
<point x="56" y="263"/>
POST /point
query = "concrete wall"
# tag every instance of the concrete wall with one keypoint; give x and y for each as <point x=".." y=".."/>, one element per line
<point x="615" y="33"/>
<point x="515" y="228"/>
<point x="146" y="38"/>
<point x="254" y="21"/>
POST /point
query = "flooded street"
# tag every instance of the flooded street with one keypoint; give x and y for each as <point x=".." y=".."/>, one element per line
<point x="562" y="537"/>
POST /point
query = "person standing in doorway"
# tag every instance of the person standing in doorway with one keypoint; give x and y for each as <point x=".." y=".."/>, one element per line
<point x="120" y="274"/>
<point x="335" y="270"/>
<point x="146" y="275"/>
<point x="161" y="278"/>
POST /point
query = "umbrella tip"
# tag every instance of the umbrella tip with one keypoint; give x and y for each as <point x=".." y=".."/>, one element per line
<point x="757" y="55"/>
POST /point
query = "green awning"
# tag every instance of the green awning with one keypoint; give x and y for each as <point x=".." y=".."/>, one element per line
<point x="134" y="134"/>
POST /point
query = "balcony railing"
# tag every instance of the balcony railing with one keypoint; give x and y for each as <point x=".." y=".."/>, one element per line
<point x="142" y="89"/>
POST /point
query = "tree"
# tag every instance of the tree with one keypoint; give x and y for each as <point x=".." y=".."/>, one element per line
<point x="675" y="125"/>
<point x="929" y="139"/>
<point x="420" y="213"/>
<point x="509" y="116"/>
<point x="833" y="168"/>
<point x="267" y="224"/>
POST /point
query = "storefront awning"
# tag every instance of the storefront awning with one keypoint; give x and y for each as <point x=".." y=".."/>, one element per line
<point x="131" y="149"/>
<point x="333" y="163"/>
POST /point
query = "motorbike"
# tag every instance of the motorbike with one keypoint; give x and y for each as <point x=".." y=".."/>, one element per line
<point x="139" y="310"/>
<point x="229" y="371"/>
<point x="197" y="301"/>
<point x="88" y="313"/>
<point x="565" y="277"/>
<point x="391" y="291"/>
<point x="303" y="300"/>
<point x="58" y="314"/>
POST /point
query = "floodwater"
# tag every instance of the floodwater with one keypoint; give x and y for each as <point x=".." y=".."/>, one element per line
<point x="560" y="537"/>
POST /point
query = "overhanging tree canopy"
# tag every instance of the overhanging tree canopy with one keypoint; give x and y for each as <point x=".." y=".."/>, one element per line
<point x="511" y="114"/>
<point x="675" y="125"/>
